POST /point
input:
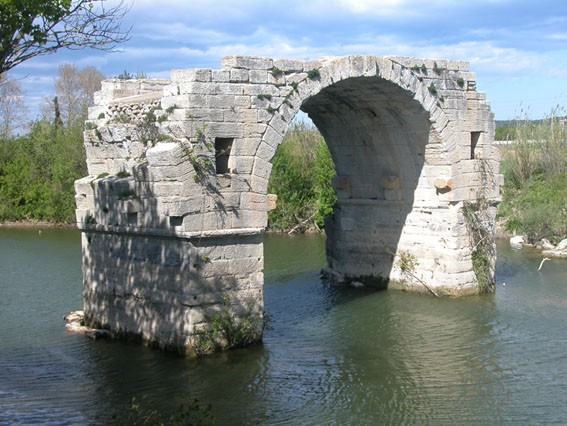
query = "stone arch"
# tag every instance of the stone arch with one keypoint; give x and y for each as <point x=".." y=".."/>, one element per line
<point x="378" y="175"/>
<point x="336" y="70"/>
<point x="167" y="235"/>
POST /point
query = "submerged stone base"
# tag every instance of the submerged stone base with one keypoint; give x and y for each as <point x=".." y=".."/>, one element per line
<point x="164" y="291"/>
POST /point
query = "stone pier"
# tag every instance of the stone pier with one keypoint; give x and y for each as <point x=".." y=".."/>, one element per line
<point x="174" y="208"/>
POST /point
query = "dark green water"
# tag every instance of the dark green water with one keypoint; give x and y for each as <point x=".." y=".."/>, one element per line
<point x="334" y="356"/>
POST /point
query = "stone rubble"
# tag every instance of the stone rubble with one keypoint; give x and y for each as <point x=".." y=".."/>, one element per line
<point x="547" y="248"/>
<point x="75" y="321"/>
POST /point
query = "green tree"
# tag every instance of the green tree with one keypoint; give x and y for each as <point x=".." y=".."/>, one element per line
<point x="37" y="172"/>
<point x="301" y="178"/>
<point x="30" y="28"/>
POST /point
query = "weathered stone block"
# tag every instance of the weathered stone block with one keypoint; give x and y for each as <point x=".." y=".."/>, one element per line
<point x="220" y="76"/>
<point x="239" y="76"/>
<point x="242" y="101"/>
<point x="271" y="202"/>
<point x="165" y="154"/>
<point x="193" y="74"/>
<point x="259" y="76"/>
<point x="262" y="168"/>
<point x="265" y="151"/>
<point x="246" y="62"/>
<point x="220" y="101"/>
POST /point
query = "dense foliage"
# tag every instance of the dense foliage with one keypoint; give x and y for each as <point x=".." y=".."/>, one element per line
<point x="301" y="178"/>
<point x="37" y="172"/>
<point x="535" y="175"/>
<point x="505" y="133"/>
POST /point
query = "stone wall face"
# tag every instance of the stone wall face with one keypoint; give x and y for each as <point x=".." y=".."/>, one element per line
<point x="176" y="200"/>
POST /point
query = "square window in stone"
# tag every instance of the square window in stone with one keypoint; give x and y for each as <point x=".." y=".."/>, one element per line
<point x="175" y="221"/>
<point x="223" y="146"/>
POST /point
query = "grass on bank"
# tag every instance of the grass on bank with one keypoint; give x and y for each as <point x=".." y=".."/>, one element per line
<point x="534" y="200"/>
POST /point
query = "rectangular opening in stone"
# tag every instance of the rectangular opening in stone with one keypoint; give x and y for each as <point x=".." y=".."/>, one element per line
<point x="176" y="220"/>
<point x="222" y="154"/>
<point x="475" y="137"/>
<point x="132" y="219"/>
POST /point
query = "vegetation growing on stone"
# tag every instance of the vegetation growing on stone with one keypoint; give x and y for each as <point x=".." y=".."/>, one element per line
<point x="436" y="68"/>
<point x="276" y="72"/>
<point x="313" y="73"/>
<point x="228" y="332"/>
<point x="432" y="89"/>
<point x="481" y="243"/>
<point x="199" y="156"/>
<point x="122" y="174"/>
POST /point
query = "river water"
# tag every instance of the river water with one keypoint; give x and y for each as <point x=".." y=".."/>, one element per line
<point x="333" y="356"/>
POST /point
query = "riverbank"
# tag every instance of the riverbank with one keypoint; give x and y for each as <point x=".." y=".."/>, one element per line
<point x="36" y="224"/>
<point x="544" y="245"/>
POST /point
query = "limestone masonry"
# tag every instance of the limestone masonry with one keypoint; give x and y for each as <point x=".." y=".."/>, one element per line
<point x="174" y="208"/>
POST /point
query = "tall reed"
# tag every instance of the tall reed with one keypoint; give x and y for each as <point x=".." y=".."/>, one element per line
<point x="535" y="178"/>
<point x="540" y="148"/>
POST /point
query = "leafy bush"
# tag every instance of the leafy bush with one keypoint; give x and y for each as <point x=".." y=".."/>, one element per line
<point x="37" y="172"/>
<point x="538" y="208"/>
<point x="301" y="178"/>
<point x="535" y="176"/>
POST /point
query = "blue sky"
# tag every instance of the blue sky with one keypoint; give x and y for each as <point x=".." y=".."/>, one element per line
<point x="518" y="49"/>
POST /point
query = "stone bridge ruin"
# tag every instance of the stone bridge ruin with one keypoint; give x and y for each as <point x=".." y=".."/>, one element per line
<point x="174" y="208"/>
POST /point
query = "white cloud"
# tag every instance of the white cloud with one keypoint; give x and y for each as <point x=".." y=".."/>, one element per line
<point x="393" y="7"/>
<point x="360" y="6"/>
<point x="530" y="41"/>
<point x="488" y="56"/>
<point x="179" y="32"/>
<point x="558" y="36"/>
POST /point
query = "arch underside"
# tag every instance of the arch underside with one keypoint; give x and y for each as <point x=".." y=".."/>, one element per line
<point x="377" y="134"/>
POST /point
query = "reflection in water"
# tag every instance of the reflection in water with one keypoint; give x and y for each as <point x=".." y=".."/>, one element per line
<point x="333" y="355"/>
